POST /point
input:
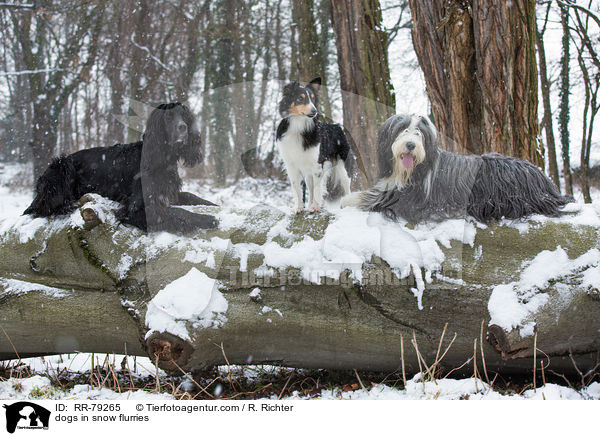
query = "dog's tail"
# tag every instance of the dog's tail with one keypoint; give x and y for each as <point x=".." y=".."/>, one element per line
<point x="54" y="189"/>
<point x="337" y="181"/>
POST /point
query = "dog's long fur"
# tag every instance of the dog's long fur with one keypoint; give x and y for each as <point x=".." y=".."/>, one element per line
<point x="313" y="151"/>
<point x="142" y="176"/>
<point x="419" y="181"/>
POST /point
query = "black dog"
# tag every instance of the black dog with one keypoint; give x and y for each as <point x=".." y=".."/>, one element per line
<point x="142" y="176"/>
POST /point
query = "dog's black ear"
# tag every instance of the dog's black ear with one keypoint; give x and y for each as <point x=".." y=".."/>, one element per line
<point x="315" y="84"/>
<point x="155" y="136"/>
<point x="287" y="89"/>
<point x="192" y="153"/>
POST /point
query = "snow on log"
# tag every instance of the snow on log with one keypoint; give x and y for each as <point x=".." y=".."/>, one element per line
<point x="345" y="289"/>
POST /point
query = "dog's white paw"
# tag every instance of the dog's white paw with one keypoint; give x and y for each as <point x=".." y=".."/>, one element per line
<point x="351" y="200"/>
<point x="314" y="208"/>
<point x="298" y="210"/>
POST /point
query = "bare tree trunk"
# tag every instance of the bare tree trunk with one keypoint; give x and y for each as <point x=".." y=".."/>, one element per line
<point x="324" y="38"/>
<point x="367" y="91"/>
<point x="309" y="60"/>
<point x="140" y="64"/>
<point x="479" y="63"/>
<point x="44" y="139"/>
<point x="114" y="63"/>
<point x="563" y="117"/>
<point x="547" y="120"/>
<point x="192" y="49"/>
<point x="589" y="65"/>
<point x="221" y="128"/>
<point x="584" y="154"/>
<point x="279" y="58"/>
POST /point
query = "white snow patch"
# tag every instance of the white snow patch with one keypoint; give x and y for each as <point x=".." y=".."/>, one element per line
<point x="510" y="304"/>
<point x="193" y="297"/>
<point x="124" y="265"/>
<point x="39" y="387"/>
<point x="255" y="293"/>
<point x="19" y="287"/>
<point x="353" y="237"/>
<point x="577" y="214"/>
<point x="591" y="278"/>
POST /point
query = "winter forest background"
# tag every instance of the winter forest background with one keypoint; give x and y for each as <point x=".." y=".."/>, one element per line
<point x="518" y="77"/>
<point x="81" y="74"/>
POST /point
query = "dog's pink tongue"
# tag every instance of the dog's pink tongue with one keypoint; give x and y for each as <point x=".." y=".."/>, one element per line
<point x="408" y="161"/>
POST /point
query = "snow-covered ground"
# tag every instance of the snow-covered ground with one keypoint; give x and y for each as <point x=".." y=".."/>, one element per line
<point x="48" y="386"/>
<point x="68" y="376"/>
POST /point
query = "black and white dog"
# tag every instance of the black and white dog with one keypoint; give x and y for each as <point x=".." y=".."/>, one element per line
<point x="419" y="181"/>
<point x="313" y="151"/>
<point x="142" y="176"/>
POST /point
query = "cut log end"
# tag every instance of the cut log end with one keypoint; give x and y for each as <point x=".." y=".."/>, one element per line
<point x="498" y="339"/>
<point x="169" y="351"/>
<point x="510" y="344"/>
<point x="90" y="218"/>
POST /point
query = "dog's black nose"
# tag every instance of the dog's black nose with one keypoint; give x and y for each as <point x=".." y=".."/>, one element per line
<point x="182" y="127"/>
<point x="410" y="146"/>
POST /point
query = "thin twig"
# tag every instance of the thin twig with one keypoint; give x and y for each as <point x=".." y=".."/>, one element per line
<point x="534" y="361"/>
<point x="402" y="358"/>
<point x="11" y="344"/>
<point x="115" y="378"/>
<point x="437" y="354"/>
<point x="487" y="379"/>
<point x="447" y="348"/>
<point x="421" y="359"/>
<point x="285" y="386"/>
<point x="157" y="388"/>
<point x="229" y="378"/>
<point x="185" y="374"/>
<point x="128" y="369"/>
<point x="575" y="364"/>
<point x="360" y="381"/>
<point x="456" y="369"/>
<point x="475" y="372"/>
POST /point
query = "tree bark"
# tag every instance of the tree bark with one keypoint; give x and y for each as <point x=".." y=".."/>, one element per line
<point x="308" y="60"/>
<point x="479" y="63"/>
<point x="367" y="91"/>
<point x="311" y="59"/>
<point x="563" y="117"/>
<point x="335" y="324"/>
<point x="547" y="120"/>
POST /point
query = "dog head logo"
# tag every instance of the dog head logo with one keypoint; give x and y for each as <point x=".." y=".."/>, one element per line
<point x="26" y="415"/>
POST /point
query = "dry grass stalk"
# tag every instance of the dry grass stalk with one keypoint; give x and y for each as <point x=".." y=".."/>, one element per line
<point x="189" y="377"/>
<point x="360" y="381"/>
<point x="437" y="354"/>
<point x="285" y="386"/>
<point x="487" y="379"/>
<point x="421" y="361"/>
<point x="534" y="362"/>
<point x="402" y="358"/>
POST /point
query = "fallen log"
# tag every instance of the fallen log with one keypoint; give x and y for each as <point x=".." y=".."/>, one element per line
<point x="343" y="290"/>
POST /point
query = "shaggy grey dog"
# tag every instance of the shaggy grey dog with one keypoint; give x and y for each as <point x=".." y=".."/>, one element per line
<point x="419" y="181"/>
